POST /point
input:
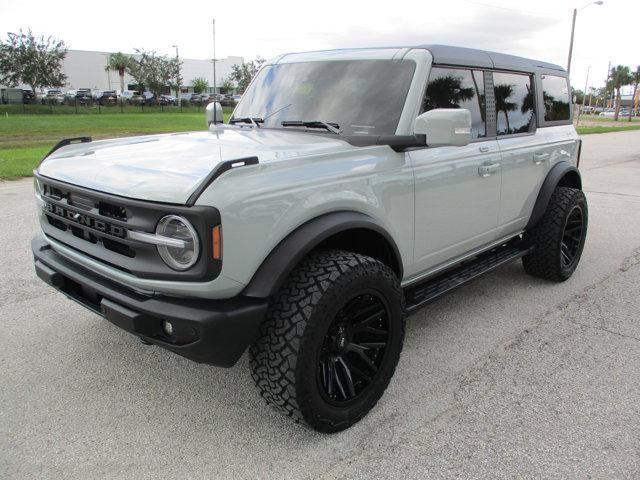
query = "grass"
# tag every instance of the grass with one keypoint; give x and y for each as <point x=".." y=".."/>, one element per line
<point x="586" y="130"/>
<point x="25" y="139"/>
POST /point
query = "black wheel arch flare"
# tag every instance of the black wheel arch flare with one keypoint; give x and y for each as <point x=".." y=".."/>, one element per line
<point x="561" y="174"/>
<point x="277" y="266"/>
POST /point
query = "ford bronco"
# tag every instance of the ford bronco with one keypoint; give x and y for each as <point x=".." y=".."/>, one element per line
<point x="348" y="189"/>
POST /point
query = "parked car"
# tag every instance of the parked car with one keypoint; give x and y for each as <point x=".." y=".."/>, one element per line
<point x="191" y="97"/>
<point x="307" y="231"/>
<point x="52" y="95"/>
<point x="28" y="96"/>
<point x="80" y="96"/>
<point x="127" y="95"/>
<point x="107" y="97"/>
<point x="624" y="112"/>
<point x="587" y="110"/>
<point x="608" y="112"/>
<point x="167" y="100"/>
<point x="227" y="100"/>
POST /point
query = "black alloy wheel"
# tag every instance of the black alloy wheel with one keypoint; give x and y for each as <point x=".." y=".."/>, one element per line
<point x="571" y="236"/>
<point x="353" y="348"/>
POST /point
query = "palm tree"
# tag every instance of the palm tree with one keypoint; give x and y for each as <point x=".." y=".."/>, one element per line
<point x="446" y="92"/>
<point x="635" y="80"/>
<point x="620" y="77"/>
<point x="504" y="92"/>
<point x="118" y="61"/>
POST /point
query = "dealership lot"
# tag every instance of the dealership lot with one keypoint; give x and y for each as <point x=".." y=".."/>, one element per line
<point x="511" y="376"/>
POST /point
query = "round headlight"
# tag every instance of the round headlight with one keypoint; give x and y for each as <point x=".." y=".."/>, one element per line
<point x="181" y="256"/>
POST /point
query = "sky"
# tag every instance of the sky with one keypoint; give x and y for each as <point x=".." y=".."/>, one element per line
<point x="537" y="29"/>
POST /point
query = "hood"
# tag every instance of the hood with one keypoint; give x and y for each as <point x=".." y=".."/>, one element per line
<point x="168" y="168"/>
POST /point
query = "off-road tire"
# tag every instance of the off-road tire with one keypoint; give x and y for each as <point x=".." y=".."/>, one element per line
<point x="545" y="261"/>
<point x="284" y="359"/>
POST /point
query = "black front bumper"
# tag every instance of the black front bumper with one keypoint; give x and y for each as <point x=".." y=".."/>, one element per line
<point x="216" y="332"/>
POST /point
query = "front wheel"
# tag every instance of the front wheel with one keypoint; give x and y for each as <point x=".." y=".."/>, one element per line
<point x="559" y="237"/>
<point x="331" y="340"/>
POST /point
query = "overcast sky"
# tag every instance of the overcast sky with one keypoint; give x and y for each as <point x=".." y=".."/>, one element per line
<point x="538" y="29"/>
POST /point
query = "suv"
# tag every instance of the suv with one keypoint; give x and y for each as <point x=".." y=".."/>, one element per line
<point x="306" y="230"/>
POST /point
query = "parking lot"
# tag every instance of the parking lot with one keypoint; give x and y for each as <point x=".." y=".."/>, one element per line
<point x="508" y="377"/>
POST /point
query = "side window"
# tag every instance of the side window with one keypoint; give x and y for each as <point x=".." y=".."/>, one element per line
<point x="458" y="88"/>
<point x="555" y="96"/>
<point x="514" y="102"/>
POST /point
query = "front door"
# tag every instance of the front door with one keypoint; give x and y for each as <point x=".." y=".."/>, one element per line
<point x="457" y="189"/>
<point x="457" y="199"/>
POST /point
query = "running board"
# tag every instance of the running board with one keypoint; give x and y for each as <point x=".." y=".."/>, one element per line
<point x="417" y="296"/>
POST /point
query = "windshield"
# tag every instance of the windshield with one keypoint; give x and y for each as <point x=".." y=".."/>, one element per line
<point x="363" y="97"/>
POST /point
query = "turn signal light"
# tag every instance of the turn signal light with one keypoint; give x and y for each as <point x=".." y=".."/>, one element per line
<point x="216" y="236"/>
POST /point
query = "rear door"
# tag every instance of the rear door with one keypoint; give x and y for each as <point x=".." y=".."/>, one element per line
<point x="524" y="158"/>
<point x="457" y="189"/>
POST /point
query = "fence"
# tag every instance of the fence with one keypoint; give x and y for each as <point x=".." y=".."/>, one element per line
<point x="92" y="107"/>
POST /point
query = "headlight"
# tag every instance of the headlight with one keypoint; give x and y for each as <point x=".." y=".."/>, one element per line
<point x="178" y="228"/>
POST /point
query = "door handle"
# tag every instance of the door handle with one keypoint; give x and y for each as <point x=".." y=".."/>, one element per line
<point x="486" y="170"/>
<point x="484" y="149"/>
<point x="538" y="158"/>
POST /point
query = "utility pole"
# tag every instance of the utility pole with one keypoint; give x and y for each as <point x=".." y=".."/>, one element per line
<point x="584" y="95"/>
<point x="605" y="100"/>
<point x="177" y="76"/>
<point x="214" y="70"/>
<point x="573" y="29"/>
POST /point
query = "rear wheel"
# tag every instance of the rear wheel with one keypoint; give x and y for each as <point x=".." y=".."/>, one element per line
<point x="331" y="340"/>
<point x="559" y="237"/>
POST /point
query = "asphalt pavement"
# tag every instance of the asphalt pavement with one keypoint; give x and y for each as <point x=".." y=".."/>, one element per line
<point x="508" y="377"/>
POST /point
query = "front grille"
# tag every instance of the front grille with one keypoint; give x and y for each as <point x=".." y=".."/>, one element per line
<point x="97" y="225"/>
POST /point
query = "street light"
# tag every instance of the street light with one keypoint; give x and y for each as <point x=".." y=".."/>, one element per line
<point x="573" y="28"/>
<point x="177" y="75"/>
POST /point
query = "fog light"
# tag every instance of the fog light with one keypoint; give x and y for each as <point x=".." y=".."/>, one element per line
<point x="167" y="328"/>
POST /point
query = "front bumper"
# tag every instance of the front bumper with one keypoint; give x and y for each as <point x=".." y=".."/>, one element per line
<point x="216" y="332"/>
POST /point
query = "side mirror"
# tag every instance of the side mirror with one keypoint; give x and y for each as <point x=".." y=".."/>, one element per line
<point x="213" y="113"/>
<point x="445" y="127"/>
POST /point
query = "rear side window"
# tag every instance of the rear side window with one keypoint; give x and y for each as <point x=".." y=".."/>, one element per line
<point x="458" y="88"/>
<point x="514" y="103"/>
<point x="555" y="96"/>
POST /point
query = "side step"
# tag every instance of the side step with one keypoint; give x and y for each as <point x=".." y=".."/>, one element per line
<point x="417" y="296"/>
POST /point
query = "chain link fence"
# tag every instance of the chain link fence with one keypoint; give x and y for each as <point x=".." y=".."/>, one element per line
<point x="90" y="106"/>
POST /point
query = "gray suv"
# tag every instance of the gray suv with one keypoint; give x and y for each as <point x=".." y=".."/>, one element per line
<point x="349" y="189"/>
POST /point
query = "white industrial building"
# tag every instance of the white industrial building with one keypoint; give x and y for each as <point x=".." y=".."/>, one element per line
<point x="86" y="69"/>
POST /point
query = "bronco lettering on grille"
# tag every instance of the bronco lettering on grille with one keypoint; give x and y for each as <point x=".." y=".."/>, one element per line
<point x="86" y="220"/>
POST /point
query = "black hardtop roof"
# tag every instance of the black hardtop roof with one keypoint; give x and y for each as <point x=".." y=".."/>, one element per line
<point x="448" y="55"/>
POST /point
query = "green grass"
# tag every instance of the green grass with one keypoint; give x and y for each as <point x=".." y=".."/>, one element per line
<point x="586" y="130"/>
<point x="24" y="139"/>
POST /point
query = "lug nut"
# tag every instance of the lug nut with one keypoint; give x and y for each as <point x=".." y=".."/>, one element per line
<point x="167" y="328"/>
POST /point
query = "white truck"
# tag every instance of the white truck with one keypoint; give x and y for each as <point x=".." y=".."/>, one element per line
<point x="348" y="189"/>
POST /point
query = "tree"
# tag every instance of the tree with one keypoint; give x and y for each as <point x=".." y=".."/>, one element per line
<point x="199" y="84"/>
<point x="620" y="77"/>
<point x="635" y="80"/>
<point x="579" y="96"/>
<point x="503" y="93"/>
<point x="227" y="86"/>
<point x="153" y="72"/>
<point x="31" y="60"/>
<point x="244" y="73"/>
<point x="118" y="61"/>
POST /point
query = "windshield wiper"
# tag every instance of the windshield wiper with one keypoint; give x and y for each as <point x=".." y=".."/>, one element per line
<point x="255" y="121"/>
<point x="330" y="127"/>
